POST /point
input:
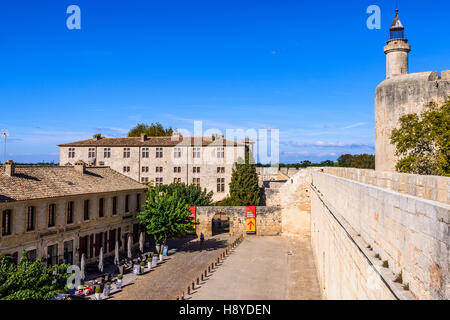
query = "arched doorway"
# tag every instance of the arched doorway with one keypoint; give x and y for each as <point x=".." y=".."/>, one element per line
<point x="220" y="223"/>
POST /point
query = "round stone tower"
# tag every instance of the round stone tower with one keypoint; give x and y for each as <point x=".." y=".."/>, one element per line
<point x="402" y="93"/>
<point x="397" y="50"/>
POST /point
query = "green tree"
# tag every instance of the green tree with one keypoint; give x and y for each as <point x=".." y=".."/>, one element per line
<point x="244" y="188"/>
<point x="362" y="161"/>
<point x="423" y="142"/>
<point x="193" y="195"/>
<point x="165" y="216"/>
<point x="30" y="280"/>
<point x="153" y="130"/>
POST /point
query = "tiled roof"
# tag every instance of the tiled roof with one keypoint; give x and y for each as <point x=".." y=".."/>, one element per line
<point x="151" y="142"/>
<point x="38" y="182"/>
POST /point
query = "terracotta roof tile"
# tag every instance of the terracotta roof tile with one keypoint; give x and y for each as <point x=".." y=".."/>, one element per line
<point x="38" y="182"/>
<point x="150" y="142"/>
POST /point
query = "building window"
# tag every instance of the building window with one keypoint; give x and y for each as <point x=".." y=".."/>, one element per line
<point x="177" y="152"/>
<point x="220" y="184"/>
<point x="145" y="152"/>
<point x="52" y="255"/>
<point x="114" y="206"/>
<point x="176" y="180"/>
<point x="159" y="182"/>
<point x="196" y="181"/>
<point x="196" y="152"/>
<point x="220" y="169"/>
<point x="176" y="169"/>
<point x="138" y="202"/>
<point x="71" y="152"/>
<point x="107" y="152"/>
<point x="126" y="169"/>
<point x="51" y="215"/>
<point x="159" y="169"/>
<point x="220" y="152"/>
<point x="144" y="169"/>
<point x="30" y="218"/>
<point x="159" y="152"/>
<point x="70" y="212"/>
<point x="127" y="203"/>
<point x="144" y="179"/>
<point x="91" y="153"/>
<point x="126" y="152"/>
<point x="101" y="211"/>
<point x="6" y="222"/>
<point x="86" y="210"/>
<point x="196" y="169"/>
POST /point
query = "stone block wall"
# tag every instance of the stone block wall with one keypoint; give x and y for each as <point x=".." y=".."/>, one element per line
<point x="408" y="232"/>
<point x="268" y="220"/>
<point x="427" y="187"/>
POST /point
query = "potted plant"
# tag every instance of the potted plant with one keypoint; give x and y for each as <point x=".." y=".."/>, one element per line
<point x="155" y="260"/>
<point x="107" y="289"/>
<point x="149" y="263"/>
<point x="119" y="282"/>
<point x="142" y="263"/>
<point x="157" y="247"/>
<point x="97" y="293"/>
<point x="160" y="257"/>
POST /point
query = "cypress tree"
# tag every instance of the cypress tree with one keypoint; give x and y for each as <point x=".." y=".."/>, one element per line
<point x="244" y="188"/>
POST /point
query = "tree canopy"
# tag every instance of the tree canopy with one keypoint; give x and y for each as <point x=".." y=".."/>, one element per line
<point x="165" y="215"/>
<point x="422" y="141"/>
<point x="193" y="195"/>
<point x="244" y="188"/>
<point x="154" y="130"/>
<point x="30" y="280"/>
<point x="362" y="161"/>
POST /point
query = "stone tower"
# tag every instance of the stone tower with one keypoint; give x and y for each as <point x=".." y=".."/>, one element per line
<point x="397" y="50"/>
<point x="402" y="93"/>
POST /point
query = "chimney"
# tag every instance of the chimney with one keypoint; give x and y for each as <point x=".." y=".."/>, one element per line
<point x="96" y="136"/>
<point x="80" y="166"/>
<point x="175" y="135"/>
<point x="143" y="137"/>
<point x="10" y="167"/>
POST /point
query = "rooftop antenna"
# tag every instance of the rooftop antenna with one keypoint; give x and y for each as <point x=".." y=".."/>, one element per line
<point x="5" y="134"/>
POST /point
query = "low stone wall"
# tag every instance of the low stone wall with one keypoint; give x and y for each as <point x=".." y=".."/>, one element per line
<point x="268" y="220"/>
<point x="427" y="187"/>
<point x="408" y="232"/>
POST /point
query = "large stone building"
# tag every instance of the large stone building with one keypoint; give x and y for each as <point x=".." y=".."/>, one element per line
<point x="59" y="213"/>
<point x="402" y="93"/>
<point x="204" y="161"/>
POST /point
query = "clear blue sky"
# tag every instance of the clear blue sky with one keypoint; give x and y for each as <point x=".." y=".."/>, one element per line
<point x="309" y="68"/>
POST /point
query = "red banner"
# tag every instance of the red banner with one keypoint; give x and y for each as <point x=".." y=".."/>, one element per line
<point x="193" y="213"/>
<point x="250" y="219"/>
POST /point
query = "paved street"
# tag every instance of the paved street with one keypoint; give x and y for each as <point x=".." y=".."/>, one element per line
<point x="264" y="268"/>
<point x="183" y="265"/>
<point x="271" y="268"/>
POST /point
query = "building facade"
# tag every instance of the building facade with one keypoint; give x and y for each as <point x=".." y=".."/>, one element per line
<point x="204" y="161"/>
<point x="402" y="93"/>
<point x="60" y="213"/>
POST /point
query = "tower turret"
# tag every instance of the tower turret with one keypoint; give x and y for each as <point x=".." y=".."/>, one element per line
<point x="397" y="50"/>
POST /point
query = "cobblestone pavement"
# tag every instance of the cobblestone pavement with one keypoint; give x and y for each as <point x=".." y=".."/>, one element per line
<point x="264" y="268"/>
<point x="184" y="264"/>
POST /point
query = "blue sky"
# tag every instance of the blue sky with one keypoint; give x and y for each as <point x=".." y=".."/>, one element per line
<point x="308" y="68"/>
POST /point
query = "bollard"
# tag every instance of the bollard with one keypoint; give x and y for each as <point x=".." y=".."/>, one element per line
<point x="198" y="281"/>
<point x="209" y="268"/>
<point x="206" y="273"/>
<point x="188" y="290"/>
<point x="182" y="295"/>
<point x="193" y="285"/>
